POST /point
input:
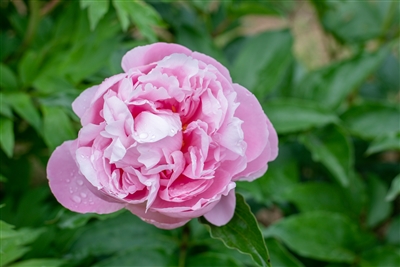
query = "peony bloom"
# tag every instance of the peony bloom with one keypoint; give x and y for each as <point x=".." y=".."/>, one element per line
<point x="166" y="139"/>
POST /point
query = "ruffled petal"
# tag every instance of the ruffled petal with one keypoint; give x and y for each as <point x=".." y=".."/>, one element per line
<point x="209" y="60"/>
<point x="144" y="55"/>
<point x="70" y="187"/>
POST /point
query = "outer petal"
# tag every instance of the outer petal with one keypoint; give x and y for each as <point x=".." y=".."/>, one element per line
<point x="158" y="219"/>
<point x="69" y="187"/>
<point x="252" y="115"/>
<point x="144" y="55"/>
<point x="209" y="60"/>
<point x="83" y="101"/>
<point x="223" y="212"/>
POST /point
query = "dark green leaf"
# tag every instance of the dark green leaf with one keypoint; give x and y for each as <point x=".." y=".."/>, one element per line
<point x="394" y="190"/>
<point x="319" y="235"/>
<point x="139" y="257"/>
<point x="358" y="21"/>
<point x="331" y="85"/>
<point x="8" y="80"/>
<point x="372" y="120"/>
<point x="378" y="208"/>
<point x="280" y="178"/>
<point x="280" y="257"/>
<point x="39" y="263"/>
<point x="57" y="126"/>
<point x="7" y="136"/>
<point x="263" y="61"/>
<point x="384" y="143"/>
<point x="23" y="106"/>
<point x="29" y="67"/>
<point x="331" y="146"/>
<point x="122" y="233"/>
<point x="392" y="233"/>
<point x="212" y="259"/>
<point x="325" y="197"/>
<point x="292" y="115"/>
<point x="242" y="233"/>
<point x="381" y="256"/>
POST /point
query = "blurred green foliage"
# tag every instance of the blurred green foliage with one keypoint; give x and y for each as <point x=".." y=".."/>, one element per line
<point x="331" y="89"/>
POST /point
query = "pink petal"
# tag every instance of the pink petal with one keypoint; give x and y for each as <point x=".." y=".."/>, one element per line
<point x="70" y="187"/>
<point x="223" y="212"/>
<point x="144" y="55"/>
<point x="155" y="218"/>
<point x="209" y="60"/>
<point x="84" y="100"/>
<point x="253" y="116"/>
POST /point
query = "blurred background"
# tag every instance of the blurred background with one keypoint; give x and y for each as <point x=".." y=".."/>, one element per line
<point x="326" y="73"/>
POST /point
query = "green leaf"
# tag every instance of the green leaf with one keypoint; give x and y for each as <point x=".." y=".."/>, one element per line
<point x="13" y="241"/>
<point x="136" y="257"/>
<point x="96" y="10"/>
<point x="384" y="143"/>
<point x="57" y="126"/>
<point x="372" y="120"/>
<point x="331" y="146"/>
<point x="29" y="67"/>
<point x="281" y="176"/>
<point x="123" y="232"/>
<point x="280" y="257"/>
<point x="293" y="115"/>
<point x="8" y="80"/>
<point x="39" y="263"/>
<point x="325" y="197"/>
<point x="318" y="235"/>
<point x="242" y="233"/>
<point x="263" y="61"/>
<point x="357" y="21"/>
<point x="392" y="233"/>
<point x="24" y="107"/>
<point x="141" y="14"/>
<point x="394" y="190"/>
<point x="75" y="220"/>
<point x="212" y="259"/>
<point x="378" y="208"/>
<point x="7" y="136"/>
<point x="331" y="85"/>
<point x="381" y="256"/>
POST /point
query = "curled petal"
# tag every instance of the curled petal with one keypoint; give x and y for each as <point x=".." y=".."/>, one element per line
<point x="69" y="186"/>
<point x="223" y="212"/>
<point x="145" y="55"/>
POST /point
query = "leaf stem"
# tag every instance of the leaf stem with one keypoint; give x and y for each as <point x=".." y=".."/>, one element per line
<point x="184" y="245"/>
<point x="34" y="19"/>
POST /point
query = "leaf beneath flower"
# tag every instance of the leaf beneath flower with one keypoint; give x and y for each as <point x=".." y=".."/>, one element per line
<point x="242" y="233"/>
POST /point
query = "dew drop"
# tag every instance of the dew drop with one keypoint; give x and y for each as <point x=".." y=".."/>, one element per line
<point x="143" y="135"/>
<point x="83" y="195"/>
<point x="76" y="199"/>
<point x="79" y="182"/>
<point x="68" y="180"/>
<point x="152" y="137"/>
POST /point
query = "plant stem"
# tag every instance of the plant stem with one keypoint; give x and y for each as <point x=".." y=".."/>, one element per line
<point x="34" y="19"/>
<point x="184" y="245"/>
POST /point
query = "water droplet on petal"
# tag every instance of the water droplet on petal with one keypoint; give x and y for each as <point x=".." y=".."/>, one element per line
<point x="68" y="180"/>
<point x="76" y="199"/>
<point x="152" y="137"/>
<point x="143" y="135"/>
<point x="79" y="182"/>
<point x="83" y="195"/>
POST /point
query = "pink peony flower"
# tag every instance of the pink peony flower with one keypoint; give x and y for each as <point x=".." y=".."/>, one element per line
<point x="166" y="140"/>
